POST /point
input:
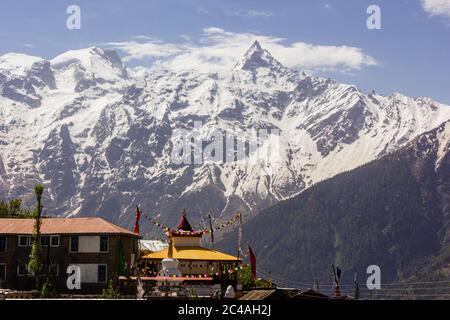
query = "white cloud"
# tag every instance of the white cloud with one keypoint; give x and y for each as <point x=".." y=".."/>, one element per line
<point x="27" y="45"/>
<point x="437" y="7"/>
<point x="186" y="37"/>
<point x="203" y="10"/>
<point x="218" y="50"/>
<point x="136" y="49"/>
<point x="250" y="13"/>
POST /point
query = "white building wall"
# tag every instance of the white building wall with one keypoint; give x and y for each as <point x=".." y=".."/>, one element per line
<point x="89" y="244"/>
<point x="89" y="273"/>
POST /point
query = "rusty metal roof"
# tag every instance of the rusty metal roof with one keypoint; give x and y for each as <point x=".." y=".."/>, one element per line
<point x="88" y="225"/>
<point x="283" y="294"/>
<point x="258" y="294"/>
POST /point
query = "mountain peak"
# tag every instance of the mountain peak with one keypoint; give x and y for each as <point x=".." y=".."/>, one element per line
<point x="256" y="57"/>
<point x="104" y="63"/>
<point x="88" y="55"/>
<point x="256" y="46"/>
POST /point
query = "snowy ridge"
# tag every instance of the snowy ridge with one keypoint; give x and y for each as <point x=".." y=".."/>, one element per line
<point x="101" y="139"/>
<point x="444" y="142"/>
<point x="17" y="64"/>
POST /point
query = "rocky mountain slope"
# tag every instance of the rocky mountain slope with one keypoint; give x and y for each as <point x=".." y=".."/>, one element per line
<point x="102" y="138"/>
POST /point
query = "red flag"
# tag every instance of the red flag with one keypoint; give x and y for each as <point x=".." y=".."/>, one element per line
<point x="252" y="261"/>
<point x="138" y="217"/>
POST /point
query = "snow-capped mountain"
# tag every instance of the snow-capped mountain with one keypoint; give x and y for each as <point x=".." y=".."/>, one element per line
<point x="101" y="138"/>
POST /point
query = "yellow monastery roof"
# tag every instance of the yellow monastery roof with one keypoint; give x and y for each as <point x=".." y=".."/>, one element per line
<point x="192" y="253"/>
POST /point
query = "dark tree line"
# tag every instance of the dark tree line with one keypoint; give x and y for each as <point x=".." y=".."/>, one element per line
<point x="380" y="213"/>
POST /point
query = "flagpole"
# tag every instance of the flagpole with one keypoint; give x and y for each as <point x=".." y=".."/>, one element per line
<point x="138" y="253"/>
<point x="239" y="236"/>
<point x="138" y="258"/>
<point x="212" y="230"/>
<point x="239" y="246"/>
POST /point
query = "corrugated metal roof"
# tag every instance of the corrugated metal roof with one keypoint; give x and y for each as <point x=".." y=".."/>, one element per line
<point x="153" y="245"/>
<point x="283" y="294"/>
<point x="87" y="225"/>
<point x="257" y="295"/>
<point x="192" y="253"/>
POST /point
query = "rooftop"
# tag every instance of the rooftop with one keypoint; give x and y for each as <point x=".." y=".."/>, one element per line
<point x="192" y="253"/>
<point x="87" y="225"/>
<point x="153" y="245"/>
<point x="184" y="224"/>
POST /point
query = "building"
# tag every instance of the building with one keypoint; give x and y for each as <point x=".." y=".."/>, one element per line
<point x="194" y="260"/>
<point x="102" y="251"/>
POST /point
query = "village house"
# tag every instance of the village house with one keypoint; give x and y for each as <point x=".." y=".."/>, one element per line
<point x="102" y="250"/>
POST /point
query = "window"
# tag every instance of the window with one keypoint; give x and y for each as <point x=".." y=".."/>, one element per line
<point x="2" y="243"/>
<point x="103" y="243"/>
<point x="101" y="275"/>
<point x="74" y="244"/>
<point x="45" y="240"/>
<point x="2" y="272"/>
<point x="24" y="241"/>
<point x="54" y="241"/>
<point x="53" y="269"/>
<point x="22" y="270"/>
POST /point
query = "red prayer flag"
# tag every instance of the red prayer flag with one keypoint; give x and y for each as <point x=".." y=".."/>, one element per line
<point x="138" y="217"/>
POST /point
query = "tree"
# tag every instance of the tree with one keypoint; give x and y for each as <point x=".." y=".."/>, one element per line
<point x="48" y="290"/>
<point x="13" y="209"/>
<point x="245" y="277"/>
<point x="34" y="265"/>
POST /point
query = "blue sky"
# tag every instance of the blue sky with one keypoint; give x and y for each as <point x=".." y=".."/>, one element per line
<point x="410" y="54"/>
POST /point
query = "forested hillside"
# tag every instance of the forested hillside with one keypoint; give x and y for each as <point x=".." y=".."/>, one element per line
<point x="393" y="212"/>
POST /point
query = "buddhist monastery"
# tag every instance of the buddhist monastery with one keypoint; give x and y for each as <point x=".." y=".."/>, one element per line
<point x="194" y="260"/>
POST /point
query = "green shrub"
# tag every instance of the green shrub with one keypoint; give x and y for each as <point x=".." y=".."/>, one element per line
<point x="110" y="292"/>
<point x="48" y="290"/>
